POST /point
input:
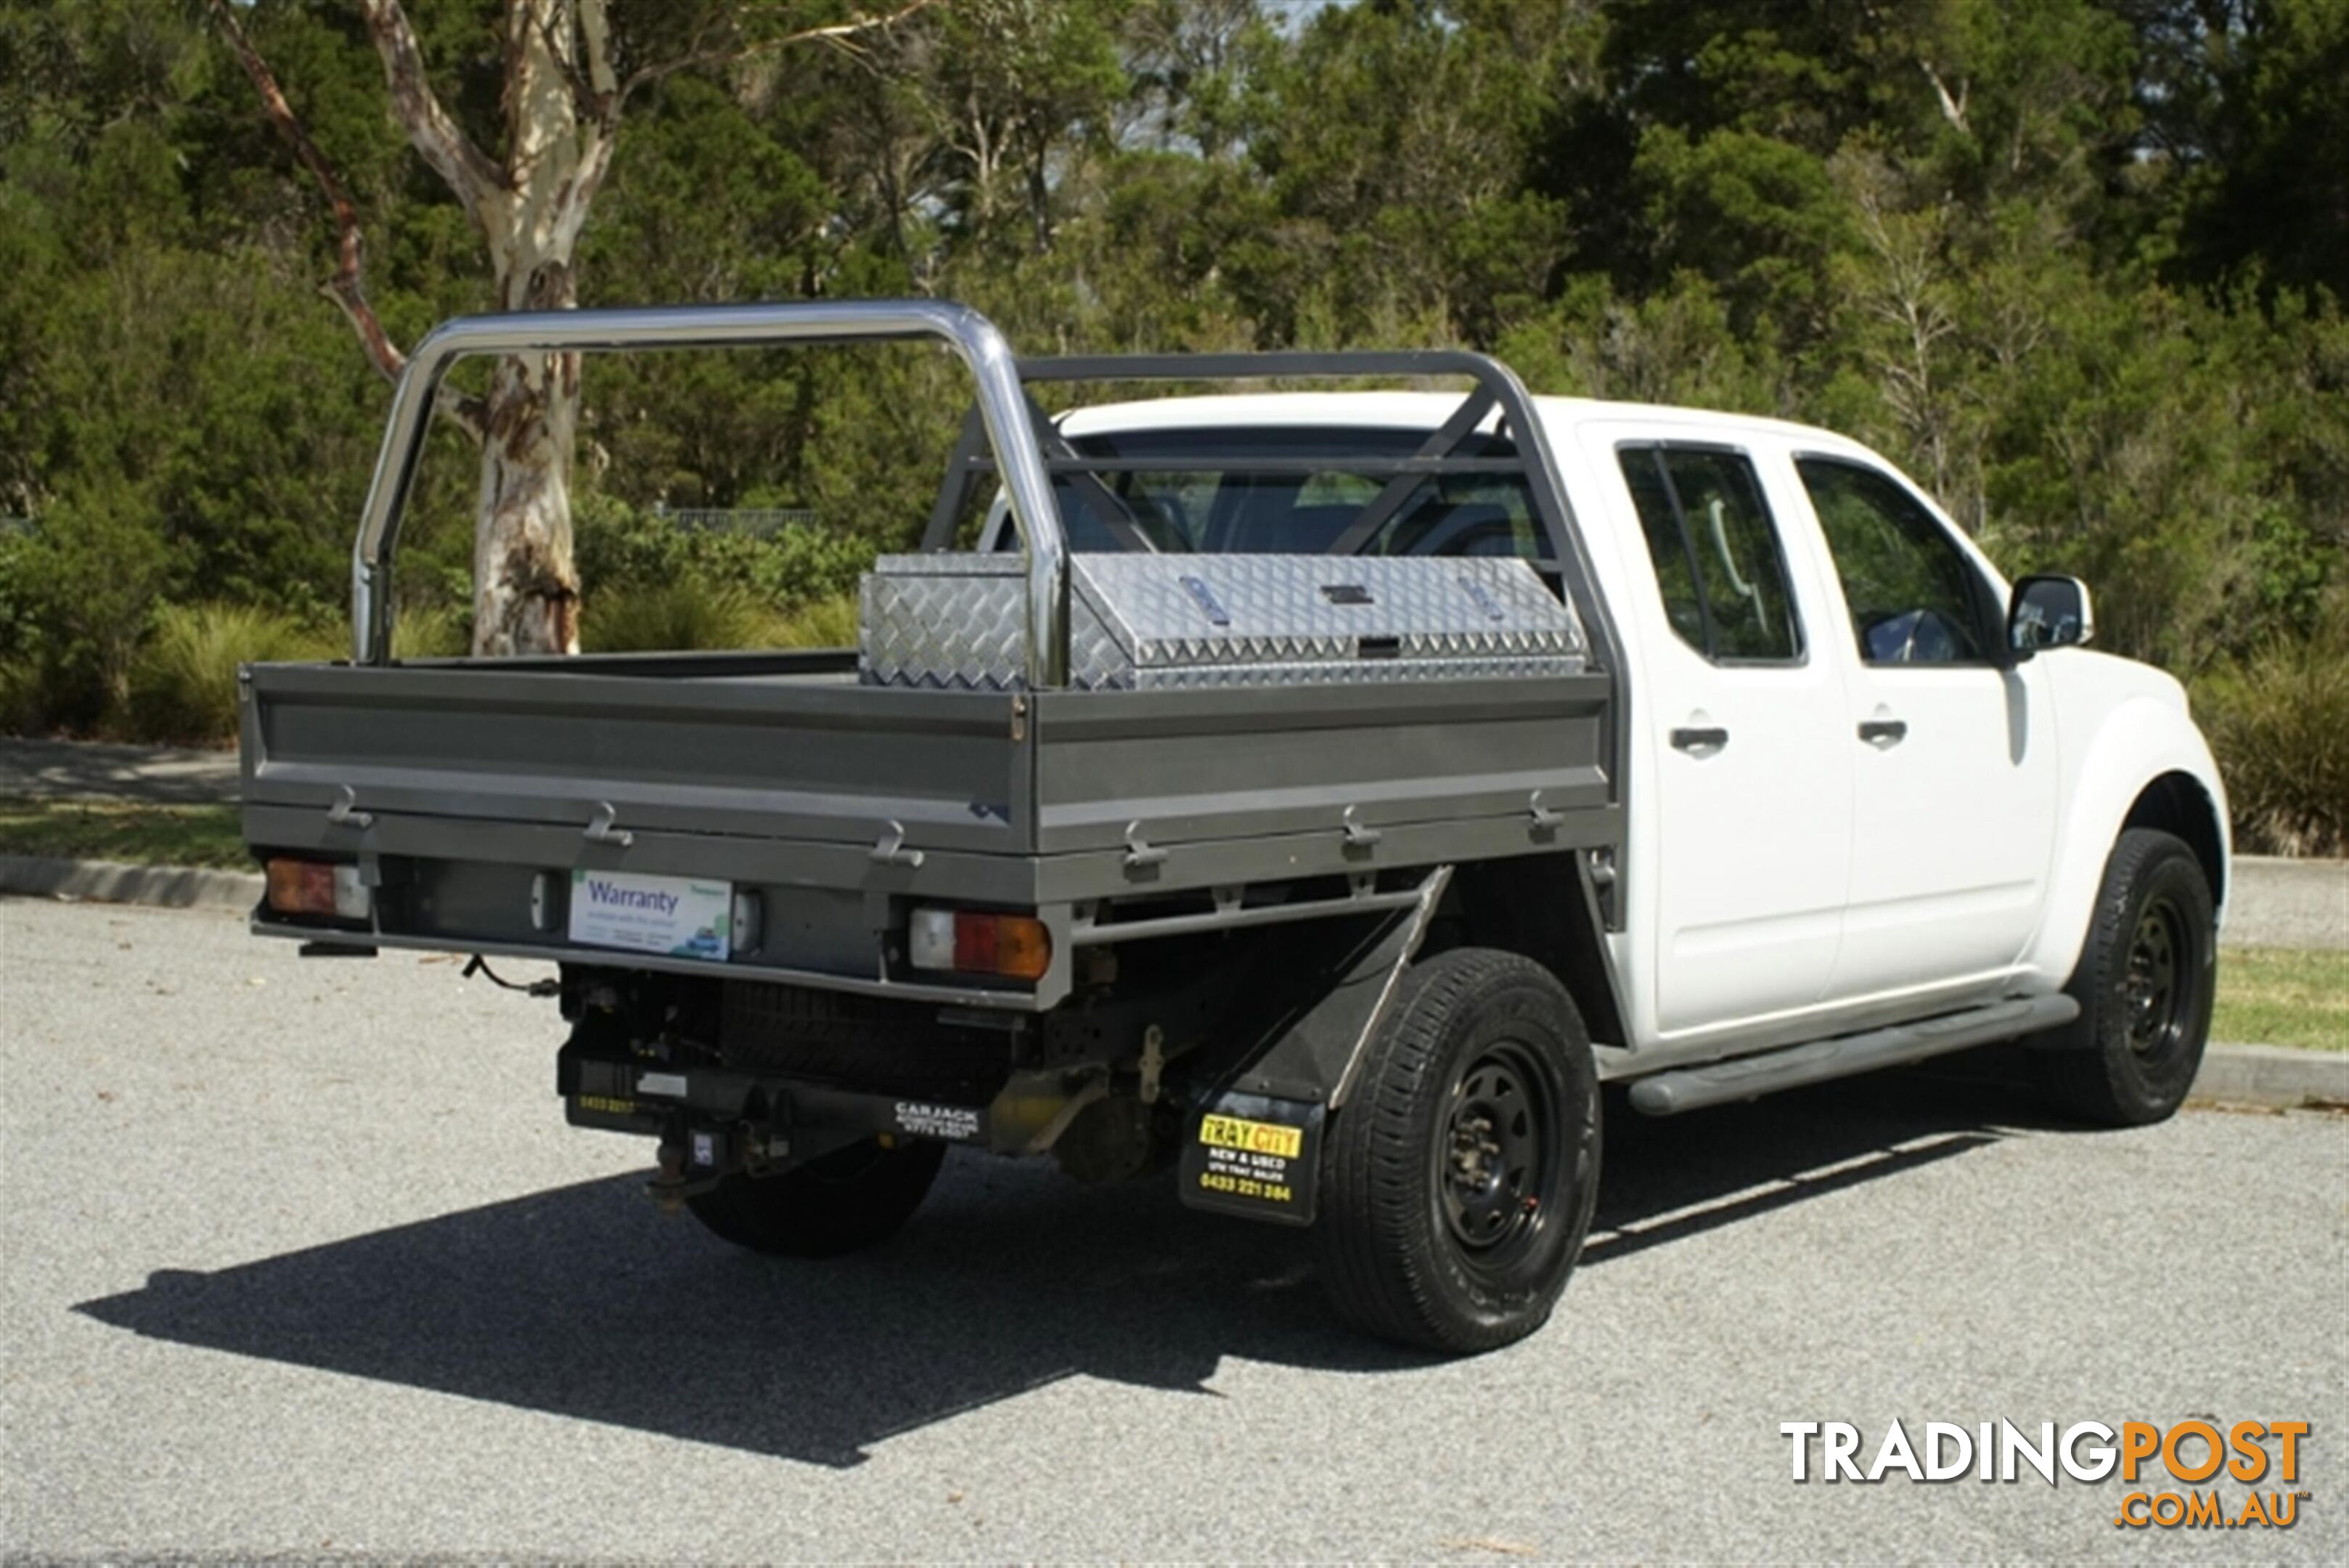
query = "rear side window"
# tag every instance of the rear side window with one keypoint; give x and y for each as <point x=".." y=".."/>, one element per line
<point x="1716" y="553"/>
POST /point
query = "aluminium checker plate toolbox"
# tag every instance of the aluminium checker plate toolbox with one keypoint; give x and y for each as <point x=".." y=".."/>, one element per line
<point x="958" y="622"/>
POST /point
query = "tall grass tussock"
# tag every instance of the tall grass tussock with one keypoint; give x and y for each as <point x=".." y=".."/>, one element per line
<point x="431" y="631"/>
<point x="183" y="678"/>
<point x="691" y="615"/>
<point x="681" y="616"/>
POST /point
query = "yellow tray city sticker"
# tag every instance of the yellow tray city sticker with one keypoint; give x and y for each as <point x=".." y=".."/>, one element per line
<point x="1253" y="1137"/>
<point x="1256" y="1156"/>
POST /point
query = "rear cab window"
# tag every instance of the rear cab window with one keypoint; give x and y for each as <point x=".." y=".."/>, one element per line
<point x="1194" y="491"/>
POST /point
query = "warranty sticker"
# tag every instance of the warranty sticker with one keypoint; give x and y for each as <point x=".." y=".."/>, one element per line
<point x="1253" y="1156"/>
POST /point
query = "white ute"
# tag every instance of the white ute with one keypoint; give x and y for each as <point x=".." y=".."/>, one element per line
<point x="1318" y="793"/>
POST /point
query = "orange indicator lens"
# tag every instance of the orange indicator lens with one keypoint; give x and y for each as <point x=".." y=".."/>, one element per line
<point x="976" y="941"/>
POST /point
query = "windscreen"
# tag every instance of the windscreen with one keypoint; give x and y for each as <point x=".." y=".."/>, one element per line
<point x="1295" y="491"/>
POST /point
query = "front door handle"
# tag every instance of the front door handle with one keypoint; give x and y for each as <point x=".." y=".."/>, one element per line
<point x="1700" y="740"/>
<point x="1883" y="731"/>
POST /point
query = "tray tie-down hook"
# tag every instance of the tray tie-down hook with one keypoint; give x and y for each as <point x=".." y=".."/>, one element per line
<point x="1358" y="837"/>
<point x="1141" y="855"/>
<point x="1546" y="821"/>
<point x="890" y="849"/>
<point x="602" y="827"/>
<point x="346" y="812"/>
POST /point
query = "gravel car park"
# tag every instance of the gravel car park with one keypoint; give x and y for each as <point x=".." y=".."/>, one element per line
<point x="270" y="1296"/>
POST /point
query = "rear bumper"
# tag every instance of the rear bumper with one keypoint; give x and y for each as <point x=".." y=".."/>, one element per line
<point x="549" y="952"/>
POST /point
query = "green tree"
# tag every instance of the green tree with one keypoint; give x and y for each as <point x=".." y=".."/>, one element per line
<point x="568" y="70"/>
<point x="2246" y="114"/>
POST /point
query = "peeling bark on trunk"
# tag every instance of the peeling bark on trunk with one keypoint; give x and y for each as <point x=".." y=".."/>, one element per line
<point x="525" y="584"/>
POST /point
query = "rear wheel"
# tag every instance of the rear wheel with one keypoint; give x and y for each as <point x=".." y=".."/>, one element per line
<point x="1458" y="1180"/>
<point x="2145" y="984"/>
<point x="846" y="1200"/>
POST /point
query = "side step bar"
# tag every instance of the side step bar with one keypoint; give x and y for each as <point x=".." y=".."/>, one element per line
<point x="1748" y="1077"/>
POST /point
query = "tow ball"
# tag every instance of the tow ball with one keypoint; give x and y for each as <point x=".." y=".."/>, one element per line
<point x="694" y="1160"/>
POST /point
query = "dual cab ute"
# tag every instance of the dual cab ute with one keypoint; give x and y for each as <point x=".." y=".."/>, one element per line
<point x="1323" y="793"/>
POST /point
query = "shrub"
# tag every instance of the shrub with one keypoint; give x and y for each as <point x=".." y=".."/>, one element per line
<point x="801" y="566"/>
<point x="619" y="546"/>
<point x="78" y="596"/>
<point x="183" y="680"/>
<point x="2275" y="722"/>
<point x="23" y="696"/>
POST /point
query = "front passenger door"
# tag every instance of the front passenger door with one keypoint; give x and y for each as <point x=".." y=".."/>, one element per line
<point x="1954" y="797"/>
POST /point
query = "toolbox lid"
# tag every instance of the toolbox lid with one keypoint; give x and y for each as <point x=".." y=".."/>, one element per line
<point x="1150" y="620"/>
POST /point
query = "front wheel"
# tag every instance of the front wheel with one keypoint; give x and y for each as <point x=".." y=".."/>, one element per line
<point x="2145" y="985"/>
<point x="844" y="1201"/>
<point x="1459" y="1178"/>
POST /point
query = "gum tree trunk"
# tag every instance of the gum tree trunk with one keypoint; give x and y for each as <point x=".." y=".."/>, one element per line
<point x="525" y="586"/>
<point x="561" y="107"/>
<point x="562" y="104"/>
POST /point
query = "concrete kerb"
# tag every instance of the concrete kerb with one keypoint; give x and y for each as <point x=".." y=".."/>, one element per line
<point x="2272" y="1076"/>
<point x="2262" y="1075"/>
<point x="111" y="882"/>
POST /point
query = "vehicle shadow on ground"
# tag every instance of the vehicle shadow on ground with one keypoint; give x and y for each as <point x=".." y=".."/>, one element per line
<point x="585" y="1301"/>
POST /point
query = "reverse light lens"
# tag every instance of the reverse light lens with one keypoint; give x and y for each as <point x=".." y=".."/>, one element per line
<point x="317" y="887"/>
<point x="973" y="941"/>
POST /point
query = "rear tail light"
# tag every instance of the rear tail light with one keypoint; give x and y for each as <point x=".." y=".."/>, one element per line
<point x="318" y="887"/>
<point x="975" y="941"/>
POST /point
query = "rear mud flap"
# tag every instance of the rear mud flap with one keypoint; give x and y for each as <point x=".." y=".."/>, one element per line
<point x="1313" y="1051"/>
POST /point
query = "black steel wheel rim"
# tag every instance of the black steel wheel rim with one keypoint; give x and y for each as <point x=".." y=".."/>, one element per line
<point x="2156" y="978"/>
<point x="1496" y="1154"/>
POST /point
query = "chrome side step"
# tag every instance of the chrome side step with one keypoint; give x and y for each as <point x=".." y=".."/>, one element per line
<point x="1749" y="1077"/>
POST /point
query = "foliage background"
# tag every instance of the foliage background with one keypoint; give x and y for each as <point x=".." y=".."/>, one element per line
<point x="2078" y="265"/>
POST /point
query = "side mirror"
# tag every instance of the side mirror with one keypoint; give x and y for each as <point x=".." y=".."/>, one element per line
<point x="2048" y="612"/>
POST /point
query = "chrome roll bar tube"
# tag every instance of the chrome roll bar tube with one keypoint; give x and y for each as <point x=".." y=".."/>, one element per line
<point x="1001" y="402"/>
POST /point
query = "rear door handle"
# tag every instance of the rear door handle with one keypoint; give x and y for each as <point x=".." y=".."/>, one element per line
<point x="1883" y="731"/>
<point x="1700" y="740"/>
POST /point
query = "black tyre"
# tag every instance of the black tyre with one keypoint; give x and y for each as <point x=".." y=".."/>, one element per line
<point x="2144" y="983"/>
<point x="846" y="1200"/>
<point x="1457" y="1180"/>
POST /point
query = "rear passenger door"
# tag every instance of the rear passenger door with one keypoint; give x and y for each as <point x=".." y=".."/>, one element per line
<point x="1747" y="748"/>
